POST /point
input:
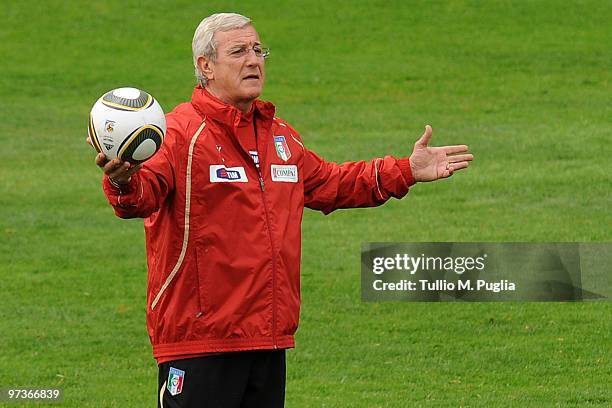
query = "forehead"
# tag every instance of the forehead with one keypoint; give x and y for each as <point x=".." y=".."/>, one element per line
<point x="245" y="35"/>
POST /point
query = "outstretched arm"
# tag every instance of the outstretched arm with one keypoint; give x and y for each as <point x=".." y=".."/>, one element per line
<point x="329" y="186"/>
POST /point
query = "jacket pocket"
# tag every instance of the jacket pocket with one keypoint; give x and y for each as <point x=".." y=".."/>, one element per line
<point x="201" y="281"/>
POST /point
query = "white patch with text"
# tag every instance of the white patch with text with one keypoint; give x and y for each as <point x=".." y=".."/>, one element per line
<point x="221" y="174"/>
<point x="284" y="173"/>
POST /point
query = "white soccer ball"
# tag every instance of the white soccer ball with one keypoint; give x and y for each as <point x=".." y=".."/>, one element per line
<point x="127" y="123"/>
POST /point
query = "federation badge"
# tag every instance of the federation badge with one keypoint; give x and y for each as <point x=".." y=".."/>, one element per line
<point x="175" y="381"/>
<point x="282" y="149"/>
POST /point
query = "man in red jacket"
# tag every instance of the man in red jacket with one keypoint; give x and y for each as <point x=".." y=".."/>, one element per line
<point x="222" y="202"/>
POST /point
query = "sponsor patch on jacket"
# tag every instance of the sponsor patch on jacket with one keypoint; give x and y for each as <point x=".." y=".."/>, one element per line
<point x="176" y="378"/>
<point x="282" y="148"/>
<point x="284" y="173"/>
<point x="255" y="157"/>
<point x="221" y="174"/>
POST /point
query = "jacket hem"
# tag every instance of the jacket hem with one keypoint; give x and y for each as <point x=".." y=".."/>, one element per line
<point x="173" y="351"/>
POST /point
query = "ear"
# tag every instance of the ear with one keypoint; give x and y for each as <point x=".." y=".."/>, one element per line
<point x="206" y="67"/>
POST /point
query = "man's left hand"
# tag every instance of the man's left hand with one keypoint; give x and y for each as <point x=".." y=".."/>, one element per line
<point x="433" y="163"/>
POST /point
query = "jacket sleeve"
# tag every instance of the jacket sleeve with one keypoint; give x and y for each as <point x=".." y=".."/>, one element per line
<point x="329" y="186"/>
<point x="149" y="187"/>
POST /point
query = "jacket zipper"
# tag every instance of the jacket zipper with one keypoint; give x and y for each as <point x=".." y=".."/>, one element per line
<point x="263" y="199"/>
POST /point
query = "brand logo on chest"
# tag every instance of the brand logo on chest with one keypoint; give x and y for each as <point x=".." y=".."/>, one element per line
<point x="255" y="157"/>
<point x="221" y="174"/>
<point x="284" y="173"/>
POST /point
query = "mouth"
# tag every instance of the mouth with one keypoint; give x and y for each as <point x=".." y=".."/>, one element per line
<point x="251" y="77"/>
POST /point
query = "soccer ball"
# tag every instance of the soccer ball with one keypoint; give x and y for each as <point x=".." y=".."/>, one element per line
<point x="127" y="123"/>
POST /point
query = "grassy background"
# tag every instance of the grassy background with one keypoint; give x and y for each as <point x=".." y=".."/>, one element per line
<point x="526" y="84"/>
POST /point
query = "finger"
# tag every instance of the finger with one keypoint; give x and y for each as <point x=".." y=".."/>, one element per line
<point x="119" y="173"/>
<point x="455" y="149"/>
<point x="457" y="166"/>
<point x="424" y="140"/>
<point x="101" y="160"/>
<point x="114" y="165"/>
<point x="88" y="140"/>
<point x="460" y="158"/>
<point x="133" y="169"/>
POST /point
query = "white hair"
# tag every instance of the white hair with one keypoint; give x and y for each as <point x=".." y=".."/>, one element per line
<point x="204" y="43"/>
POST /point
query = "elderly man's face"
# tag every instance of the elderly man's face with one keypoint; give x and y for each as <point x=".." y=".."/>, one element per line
<point x="236" y="77"/>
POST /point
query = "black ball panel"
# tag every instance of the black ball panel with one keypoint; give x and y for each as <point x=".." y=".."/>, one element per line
<point x="131" y="143"/>
<point x="143" y="101"/>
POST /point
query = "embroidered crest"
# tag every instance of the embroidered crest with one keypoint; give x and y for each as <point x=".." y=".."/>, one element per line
<point x="176" y="378"/>
<point x="282" y="149"/>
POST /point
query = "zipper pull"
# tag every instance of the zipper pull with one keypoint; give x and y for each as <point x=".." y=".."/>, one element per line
<point x="261" y="184"/>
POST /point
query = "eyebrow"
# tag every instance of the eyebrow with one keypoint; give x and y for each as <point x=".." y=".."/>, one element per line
<point x="243" y="44"/>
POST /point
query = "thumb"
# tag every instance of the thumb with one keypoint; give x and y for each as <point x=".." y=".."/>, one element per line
<point x="424" y="140"/>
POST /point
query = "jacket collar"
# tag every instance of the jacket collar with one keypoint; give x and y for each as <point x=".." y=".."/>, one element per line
<point x="208" y="105"/>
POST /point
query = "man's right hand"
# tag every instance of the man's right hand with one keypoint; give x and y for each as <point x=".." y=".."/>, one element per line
<point x="118" y="171"/>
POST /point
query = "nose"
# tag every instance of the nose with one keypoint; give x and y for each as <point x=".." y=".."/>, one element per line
<point x="251" y="53"/>
<point x="252" y="58"/>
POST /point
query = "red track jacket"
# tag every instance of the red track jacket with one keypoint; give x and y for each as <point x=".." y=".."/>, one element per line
<point x="223" y="235"/>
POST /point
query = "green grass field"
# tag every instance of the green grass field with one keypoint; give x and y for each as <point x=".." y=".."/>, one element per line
<point x="525" y="83"/>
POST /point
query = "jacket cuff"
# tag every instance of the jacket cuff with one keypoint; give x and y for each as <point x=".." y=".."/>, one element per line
<point x="404" y="165"/>
<point x="115" y="189"/>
